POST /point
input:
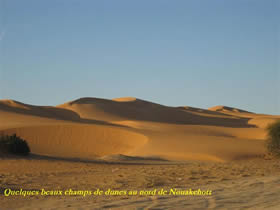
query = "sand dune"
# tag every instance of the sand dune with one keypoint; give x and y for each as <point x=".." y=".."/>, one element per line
<point x="42" y="111"/>
<point x="129" y="143"/>
<point x="139" y="110"/>
<point x="79" y="141"/>
<point x="227" y="109"/>
<point x="258" y="120"/>
<point x="263" y="121"/>
<point x="92" y="127"/>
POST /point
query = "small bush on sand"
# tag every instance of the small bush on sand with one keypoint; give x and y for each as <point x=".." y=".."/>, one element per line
<point x="14" y="145"/>
<point x="273" y="141"/>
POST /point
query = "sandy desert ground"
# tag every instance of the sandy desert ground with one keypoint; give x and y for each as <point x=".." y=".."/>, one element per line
<point x="128" y="143"/>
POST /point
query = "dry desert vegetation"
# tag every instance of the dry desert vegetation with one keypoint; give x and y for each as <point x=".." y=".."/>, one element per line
<point x="131" y="144"/>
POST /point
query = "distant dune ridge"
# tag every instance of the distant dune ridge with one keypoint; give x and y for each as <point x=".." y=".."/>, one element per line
<point x="42" y="111"/>
<point x="227" y="109"/>
<point x="92" y="127"/>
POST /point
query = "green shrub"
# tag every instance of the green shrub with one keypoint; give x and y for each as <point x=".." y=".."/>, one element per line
<point x="14" y="145"/>
<point x="273" y="141"/>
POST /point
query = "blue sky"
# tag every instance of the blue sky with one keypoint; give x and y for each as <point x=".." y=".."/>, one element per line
<point x="198" y="53"/>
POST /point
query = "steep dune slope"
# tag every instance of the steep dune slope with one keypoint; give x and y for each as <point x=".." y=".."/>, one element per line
<point x="139" y="110"/>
